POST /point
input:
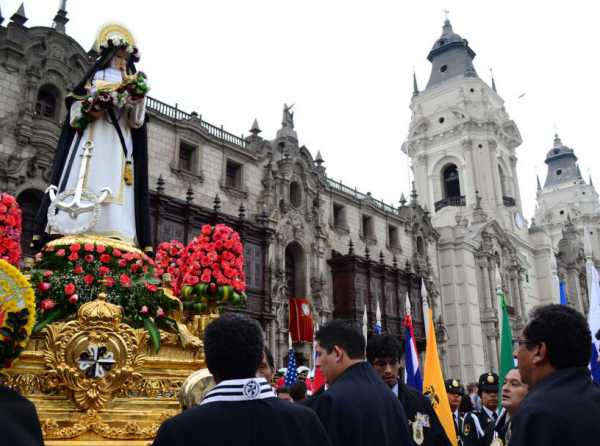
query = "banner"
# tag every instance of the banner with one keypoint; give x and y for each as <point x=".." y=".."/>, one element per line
<point x="301" y="320"/>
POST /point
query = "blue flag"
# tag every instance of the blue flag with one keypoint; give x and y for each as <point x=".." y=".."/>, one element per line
<point x="563" y="293"/>
<point x="291" y="376"/>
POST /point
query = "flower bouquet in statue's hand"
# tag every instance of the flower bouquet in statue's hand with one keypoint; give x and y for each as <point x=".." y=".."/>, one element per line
<point x="136" y="86"/>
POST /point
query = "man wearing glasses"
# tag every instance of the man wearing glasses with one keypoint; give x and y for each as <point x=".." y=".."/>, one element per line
<point x="563" y="405"/>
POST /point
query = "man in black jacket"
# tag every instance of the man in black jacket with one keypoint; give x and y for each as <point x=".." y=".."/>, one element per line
<point x="241" y="409"/>
<point x="357" y="409"/>
<point x="563" y="406"/>
<point x="384" y="352"/>
<point x="19" y="423"/>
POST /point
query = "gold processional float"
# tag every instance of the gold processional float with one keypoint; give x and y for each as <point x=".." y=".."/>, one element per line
<point x="99" y="336"/>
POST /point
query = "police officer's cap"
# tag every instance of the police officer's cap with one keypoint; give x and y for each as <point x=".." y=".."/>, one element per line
<point x="488" y="382"/>
<point x="454" y="386"/>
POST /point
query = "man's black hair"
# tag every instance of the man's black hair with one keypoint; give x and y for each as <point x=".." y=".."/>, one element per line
<point x="564" y="331"/>
<point x="269" y="356"/>
<point x="344" y="333"/>
<point x="233" y="347"/>
<point x="383" y="346"/>
<point x="283" y="389"/>
<point x="298" y="391"/>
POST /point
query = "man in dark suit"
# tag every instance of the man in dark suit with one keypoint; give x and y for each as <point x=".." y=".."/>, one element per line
<point x="241" y="409"/>
<point x="563" y="406"/>
<point x="357" y="409"/>
<point x="19" y="423"/>
<point x="384" y="353"/>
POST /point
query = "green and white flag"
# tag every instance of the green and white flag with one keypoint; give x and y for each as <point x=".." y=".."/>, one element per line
<point x="506" y="342"/>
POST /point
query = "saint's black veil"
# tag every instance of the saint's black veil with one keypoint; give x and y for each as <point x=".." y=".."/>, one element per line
<point x="140" y="156"/>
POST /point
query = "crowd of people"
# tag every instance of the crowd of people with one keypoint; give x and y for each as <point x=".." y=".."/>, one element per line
<point x="548" y="399"/>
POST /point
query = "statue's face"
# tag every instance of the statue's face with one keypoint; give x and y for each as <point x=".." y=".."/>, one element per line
<point x="119" y="61"/>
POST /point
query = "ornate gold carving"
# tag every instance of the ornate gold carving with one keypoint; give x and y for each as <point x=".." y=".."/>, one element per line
<point x="92" y="422"/>
<point x="99" y="240"/>
<point x="94" y="356"/>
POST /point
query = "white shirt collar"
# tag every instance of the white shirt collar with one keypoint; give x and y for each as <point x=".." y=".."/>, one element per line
<point x="395" y="389"/>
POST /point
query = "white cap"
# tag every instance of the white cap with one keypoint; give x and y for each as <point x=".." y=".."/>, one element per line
<point x="302" y="368"/>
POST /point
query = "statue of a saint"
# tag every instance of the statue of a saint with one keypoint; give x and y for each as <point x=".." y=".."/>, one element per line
<point x="101" y="162"/>
<point x="288" y="116"/>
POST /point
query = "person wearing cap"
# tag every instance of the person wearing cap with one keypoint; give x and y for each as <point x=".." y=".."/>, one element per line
<point x="384" y="352"/>
<point x="480" y="426"/>
<point x="455" y="393"/>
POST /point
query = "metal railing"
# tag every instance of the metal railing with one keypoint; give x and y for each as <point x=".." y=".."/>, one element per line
<point x="357" y="195"/>
<point x="176" y="114"/>
<point x="450" y="201"/>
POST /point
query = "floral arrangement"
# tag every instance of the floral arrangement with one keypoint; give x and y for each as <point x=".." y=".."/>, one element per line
<point x="121" y="43"/>
<point x="10" y="229"/>
<point x="17" y="313"/>
<point x="66" y="276"/>
<point x="136" y="87"/>
<point x="167" y="261"/>
<point x="209" y="270"/>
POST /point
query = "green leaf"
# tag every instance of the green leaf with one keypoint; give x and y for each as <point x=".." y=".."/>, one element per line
<point x="49" y="317"/>
<point x="153" y="332"/>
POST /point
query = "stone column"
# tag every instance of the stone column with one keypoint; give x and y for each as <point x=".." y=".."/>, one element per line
<point x="471" y="184"/>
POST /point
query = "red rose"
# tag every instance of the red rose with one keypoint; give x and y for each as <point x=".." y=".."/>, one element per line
<point x="105" y="258"/>
<point x="144" y="309"/>
<point x="100" y="249"/>
<point x="89" y="247"/>
<point x="47" y="304"/>
<point x="61" y="252"/>
<point x="160" y="312"/>
<point x="47" y="274"/>
<point x="104" y="270"/>
<point x="44" y="286"/>
<point x="122" y="263"/>
<point x="89" y="258"/>
<point x="206" y="230"/>
<point x="110" y="281"/>
<point x="75" y="247"/>
<point x="8" y="200"/>
<point x="73" y="256"/>
<point x="205" y="278"/>
<point x="116" y="253"/>
<point x="125" y="281"/>
<point x="88" y="279"/>
<point x="78" y="269"/>
<point x="151" y="287"/>
<point x="69" y="289"/>
<point x="135" y="267"/>
<point x="73" y="299"/>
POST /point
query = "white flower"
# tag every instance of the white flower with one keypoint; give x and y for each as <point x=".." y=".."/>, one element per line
<point x="129" y="49"/>
<point x="115" y="41"/>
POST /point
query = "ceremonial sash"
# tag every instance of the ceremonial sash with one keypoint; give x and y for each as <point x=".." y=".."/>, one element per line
<point x="248" y="389"/>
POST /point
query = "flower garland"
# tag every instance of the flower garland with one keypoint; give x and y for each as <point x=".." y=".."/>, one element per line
<point x="211" y="269"/>
<point x="121" y="43"/>
<point x="66" y="276"/>
<point x="10" y="229"/>
<point x="17" y="313"/>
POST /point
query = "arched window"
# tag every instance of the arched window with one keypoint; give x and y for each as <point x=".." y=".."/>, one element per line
<point x="47" y="102"/>
<point x="420" y="246"/>
<point x="295" y="270"/>
<point x="502" y="181"/>
<point x="451" y="182"/>
<point x="295" y="194"/>
<point x="29" y="200"/>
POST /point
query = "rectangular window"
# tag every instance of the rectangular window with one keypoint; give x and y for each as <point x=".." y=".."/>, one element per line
<point x="233" y="175"/>
<point x="367" y="227"/>
<point x="187" y="154"/>
<point x="339" y="216"/>
<point x="393" y="236"/>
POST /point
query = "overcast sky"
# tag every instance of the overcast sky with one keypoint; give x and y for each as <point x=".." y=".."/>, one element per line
<point x="347" y="65"/>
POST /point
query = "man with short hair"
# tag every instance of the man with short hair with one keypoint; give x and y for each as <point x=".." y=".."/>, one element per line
<point x="384" y="353"/>
<point x="357" y="409"/>
<point x="513" y="392"/>
<point x="298" y="391"/>
<point x="283" y="393"/>
<point x="563" y="406"/>
<point x="479" y="425"/>
<point x="241" y="409"/>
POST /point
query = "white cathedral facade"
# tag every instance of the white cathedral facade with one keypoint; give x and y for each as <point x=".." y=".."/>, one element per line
<point x="307" y="235"/>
